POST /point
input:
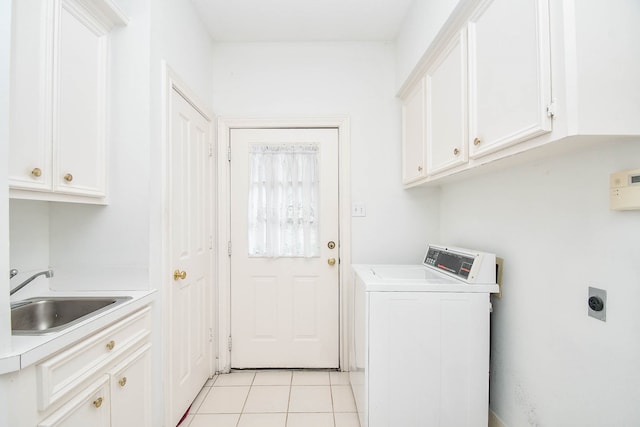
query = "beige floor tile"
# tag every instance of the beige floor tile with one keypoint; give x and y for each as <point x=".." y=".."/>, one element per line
<point x="310" y="378"/>
<point x="310" y="399"/>
<point x="234" y="378"/>
<point x="267" y="398"/>
<point x="272" y="378"/>
<point x="339" y="378"/>
<point x="215" y="420"/>
<point x="342" y="398"/>
<point x="224" y="400"/>
<point x="347" y="420"/>
<point x="310" y="420"/>
<point x="263" y="420"/>
<point x="199" y="399"/>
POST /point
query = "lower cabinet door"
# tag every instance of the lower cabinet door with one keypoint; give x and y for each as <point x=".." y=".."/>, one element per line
<point x="90" y="407"/>
<point x="131" y="390"/>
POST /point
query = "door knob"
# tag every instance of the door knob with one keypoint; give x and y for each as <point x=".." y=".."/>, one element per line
<point x="331" y="261"/>
<point x="331" y="245"/>
<point x="179" y="275"/>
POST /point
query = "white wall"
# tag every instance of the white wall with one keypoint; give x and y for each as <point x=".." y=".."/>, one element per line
<point x="291" y="80"/>
<point x="552" y="365"/>
<point x="420" y="26"/>
<point x="5" y="54"/>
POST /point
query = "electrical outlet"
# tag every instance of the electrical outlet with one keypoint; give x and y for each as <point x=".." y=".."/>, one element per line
<point x="358" y="209"/>
<point x="597" y="303"/>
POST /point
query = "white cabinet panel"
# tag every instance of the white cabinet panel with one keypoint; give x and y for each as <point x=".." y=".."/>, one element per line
<point x="413" y="146"/>
<point x="509" y="74"/>
<point x="90" y="407"/>
<point x="446" y="107"/>
<point x="131" y="390"/>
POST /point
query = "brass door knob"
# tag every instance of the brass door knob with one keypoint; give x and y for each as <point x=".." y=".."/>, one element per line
<point x="98" y="402"/>
<point x="179" y="275"/>
<point x="122" y="381"/>
<point x="456" y="151"/>
<point x="68" y="177"/>
<point x="476" y="141"/>
<point x="37" y="172"/>
<point x="331" y="261"/>
<point x="110" y="345"/>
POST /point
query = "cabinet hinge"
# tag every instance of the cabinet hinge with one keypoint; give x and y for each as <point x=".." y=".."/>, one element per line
<point x="551" y="108"/>
<point x="229" y="342"/>
<point x="210" y="334"/>
<point x="229" y="153"/>
<point x="229" y="247"/>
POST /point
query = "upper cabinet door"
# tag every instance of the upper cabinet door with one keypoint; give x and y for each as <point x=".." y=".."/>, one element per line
<point x="446" y="107"/>
<point x="509" y="74"/>
<point x="30" y="165"/>
<point x="79" y="129"/>
<point x="413" y="144"/>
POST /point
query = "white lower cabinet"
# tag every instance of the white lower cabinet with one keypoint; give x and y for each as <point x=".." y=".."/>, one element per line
<point x="102" y="381"/>
<point x="90" y="407"/>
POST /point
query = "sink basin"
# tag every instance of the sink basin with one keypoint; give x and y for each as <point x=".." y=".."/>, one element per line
<point x="45" y="315"/>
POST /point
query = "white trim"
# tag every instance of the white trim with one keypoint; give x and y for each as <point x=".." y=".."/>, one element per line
<point x="494" y="420"/>
<point x="171" y="82"/>
<point x="342" y="123"/>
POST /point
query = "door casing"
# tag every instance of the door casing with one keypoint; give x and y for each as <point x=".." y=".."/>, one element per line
<point x="224" y="125"/>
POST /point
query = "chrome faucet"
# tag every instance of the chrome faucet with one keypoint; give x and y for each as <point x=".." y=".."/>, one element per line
<point x="46" y="273"/>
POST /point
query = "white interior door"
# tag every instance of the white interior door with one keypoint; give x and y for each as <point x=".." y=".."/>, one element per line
<point x="284" y="305"/>
<point x="189" y="290"/>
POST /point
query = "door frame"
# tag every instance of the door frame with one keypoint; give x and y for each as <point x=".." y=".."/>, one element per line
<point x="224" y="125"/>
<point x="170" y="82"/>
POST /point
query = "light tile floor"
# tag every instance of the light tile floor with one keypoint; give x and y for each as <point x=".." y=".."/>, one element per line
<point x="275" y="399"/>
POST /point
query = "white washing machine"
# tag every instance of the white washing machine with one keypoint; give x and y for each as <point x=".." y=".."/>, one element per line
<point x="420" y="343"/>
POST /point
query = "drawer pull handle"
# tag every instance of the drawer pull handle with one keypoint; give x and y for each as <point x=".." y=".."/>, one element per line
<point x="476" y="141"/>
<point x="98" y="402"/>
<point x="123" y="381"/>
<point x="110" y="345"/>
<point x="68" y="177"/>
<point x="37" y="172"/>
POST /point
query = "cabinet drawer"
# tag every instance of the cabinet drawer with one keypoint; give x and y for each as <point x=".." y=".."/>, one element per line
<point x="89" y="407"/>
<point x="63" y="372"/>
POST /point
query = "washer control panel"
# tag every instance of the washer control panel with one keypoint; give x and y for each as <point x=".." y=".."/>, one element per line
<point x="463" y="264"/>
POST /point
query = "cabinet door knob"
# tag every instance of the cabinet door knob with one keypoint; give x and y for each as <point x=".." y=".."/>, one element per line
<point x="68" y="177"/>
<point x="419" y="168"/>
<point x="110" y="345"/>
<point x="456" y="151"/>
<point x="37" y="172"/>
<point x="98" y="402"/>
<point x="476" y="141"/>
<point x="122" y="381"/>
<point x="179" y="275"/>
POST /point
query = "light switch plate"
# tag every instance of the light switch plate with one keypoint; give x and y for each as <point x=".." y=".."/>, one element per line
<point x="358" y="209"/>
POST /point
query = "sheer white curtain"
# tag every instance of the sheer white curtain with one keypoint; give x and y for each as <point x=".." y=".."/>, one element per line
<point x="283" y="200"/>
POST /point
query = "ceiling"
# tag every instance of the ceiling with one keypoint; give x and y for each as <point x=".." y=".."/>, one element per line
<point x="302" y="20"/>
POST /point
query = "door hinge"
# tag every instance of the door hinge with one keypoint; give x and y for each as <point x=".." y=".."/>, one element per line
<point x="551" y="108"/>
<point x="229" y="248"/>
<point x="210" y="150"/>
<point x="210" y="242"/>
<point x="229" y="342"/>
<point x="210" y="334"/>
<point x="229" y="153"/>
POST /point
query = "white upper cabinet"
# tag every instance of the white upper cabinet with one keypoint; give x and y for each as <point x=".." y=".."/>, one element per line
<point x="59" y="99"/>
<point x="509" y="74"/>
<point x="446" y="107"/>
<point x="413" y="147"/>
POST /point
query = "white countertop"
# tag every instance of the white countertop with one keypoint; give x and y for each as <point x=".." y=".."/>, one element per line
<point x="27" y="350"/>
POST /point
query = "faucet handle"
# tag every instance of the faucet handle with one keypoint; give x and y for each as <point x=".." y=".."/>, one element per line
<point x="13" y="272"/>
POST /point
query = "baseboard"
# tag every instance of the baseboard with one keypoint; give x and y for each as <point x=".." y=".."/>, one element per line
<point x="494" y="421"/>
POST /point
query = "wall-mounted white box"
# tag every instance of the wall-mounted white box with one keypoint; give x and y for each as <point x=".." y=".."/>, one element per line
<point x="624" y="193"/>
